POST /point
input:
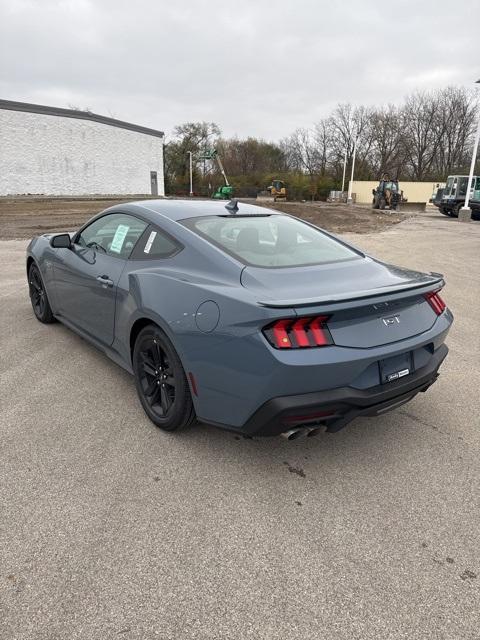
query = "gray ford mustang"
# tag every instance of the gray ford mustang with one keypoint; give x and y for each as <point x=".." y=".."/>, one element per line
<point x="241" y="316"/>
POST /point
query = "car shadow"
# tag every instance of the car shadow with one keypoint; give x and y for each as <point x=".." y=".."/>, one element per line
<point x="377" y="442"/>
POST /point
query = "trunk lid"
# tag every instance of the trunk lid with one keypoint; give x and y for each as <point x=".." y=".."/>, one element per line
<point x="369" y="303"/>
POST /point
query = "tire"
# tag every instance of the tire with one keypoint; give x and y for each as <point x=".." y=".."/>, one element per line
<point x="160" y="380"/>
<point x="38" y="296"/>
<point x="442" y="210"/>
<point x="382" y="203"/>
<point x="456" y="210"/>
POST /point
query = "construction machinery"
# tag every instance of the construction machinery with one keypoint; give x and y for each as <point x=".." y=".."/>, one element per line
<point x="224" y="192"/>
<point x="387" y="195"/>
<point x="452" y="198"/>
<point x="276" y="191"/>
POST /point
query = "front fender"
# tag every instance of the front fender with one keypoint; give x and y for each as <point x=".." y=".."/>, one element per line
<point x="40" y="251"/>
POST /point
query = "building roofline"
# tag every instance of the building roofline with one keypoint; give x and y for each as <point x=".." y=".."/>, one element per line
<point x="11" y="105"/>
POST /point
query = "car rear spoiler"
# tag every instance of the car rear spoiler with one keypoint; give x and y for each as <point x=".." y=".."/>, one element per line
<point x="436" y="283"/>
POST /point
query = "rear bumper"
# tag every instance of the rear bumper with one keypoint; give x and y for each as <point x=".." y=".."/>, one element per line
<point x="335" y="408"/>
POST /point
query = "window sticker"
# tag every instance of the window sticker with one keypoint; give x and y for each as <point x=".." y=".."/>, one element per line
<point x="119" y="238"/>
<point x="150" y="240"/>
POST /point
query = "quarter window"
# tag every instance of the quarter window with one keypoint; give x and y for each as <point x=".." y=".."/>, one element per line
<point x="155" y="244"/>
<point x="115" y="234"/>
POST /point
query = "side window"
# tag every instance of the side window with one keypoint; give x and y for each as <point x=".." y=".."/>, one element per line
<point x="155" y="244"/>
<point x="115" y="234"/>
<point x="462" y="190"/>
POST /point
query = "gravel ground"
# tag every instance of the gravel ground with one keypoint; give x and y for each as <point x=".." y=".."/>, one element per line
<point x="112" y="529"/>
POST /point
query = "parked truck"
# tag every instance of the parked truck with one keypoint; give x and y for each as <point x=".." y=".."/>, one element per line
<point x="452" y="198"/>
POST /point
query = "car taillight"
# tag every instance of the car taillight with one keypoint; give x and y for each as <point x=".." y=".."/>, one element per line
<point x="435" y="301"/>
<point x="298" y="333"/>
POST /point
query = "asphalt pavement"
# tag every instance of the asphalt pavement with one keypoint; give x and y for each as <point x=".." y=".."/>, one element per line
<point x="111" y="529"/>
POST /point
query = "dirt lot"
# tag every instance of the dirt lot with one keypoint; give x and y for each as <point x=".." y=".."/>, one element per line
<point x="342" y="218"/>
<point x="22" y="218"/>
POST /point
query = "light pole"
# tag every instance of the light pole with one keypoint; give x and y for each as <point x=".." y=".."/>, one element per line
<point x="344" y="169"/>
<point x="191" y="173"/>
<point x="350" y="184"/>
<point x="465" y="213"/>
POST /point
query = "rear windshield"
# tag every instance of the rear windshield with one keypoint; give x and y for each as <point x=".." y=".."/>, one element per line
<point x="270" y="240"/>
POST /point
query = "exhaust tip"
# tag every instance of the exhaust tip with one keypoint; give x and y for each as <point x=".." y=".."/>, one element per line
<point x="313" y="432"/>
<point x="292" y="434"/>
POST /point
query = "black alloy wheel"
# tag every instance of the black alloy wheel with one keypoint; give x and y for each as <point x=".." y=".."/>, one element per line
<point x="38" y="296"/>
<point x="161" y="382"/>
<point x="157" y="378"/>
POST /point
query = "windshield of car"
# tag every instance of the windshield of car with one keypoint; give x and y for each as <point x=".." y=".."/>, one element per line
<point x="270" y="240"/>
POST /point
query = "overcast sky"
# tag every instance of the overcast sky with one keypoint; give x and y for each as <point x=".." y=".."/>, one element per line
<point x="254" y="67"/>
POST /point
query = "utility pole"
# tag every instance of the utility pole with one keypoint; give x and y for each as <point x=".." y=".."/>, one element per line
<point x="465" y="213"/>
<point x="344" y="169"/>
<point x="191" y="173"/>
<point x="350" y="185"/>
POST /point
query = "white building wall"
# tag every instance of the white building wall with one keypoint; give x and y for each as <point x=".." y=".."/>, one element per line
<point x="55" y="155"/>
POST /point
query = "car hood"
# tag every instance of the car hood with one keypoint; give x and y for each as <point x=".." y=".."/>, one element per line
<point x="329" y="283"/>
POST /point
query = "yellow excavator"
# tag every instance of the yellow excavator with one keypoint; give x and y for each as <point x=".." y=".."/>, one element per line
<point x="276" y="191"/>
<point x="387" y="195"/>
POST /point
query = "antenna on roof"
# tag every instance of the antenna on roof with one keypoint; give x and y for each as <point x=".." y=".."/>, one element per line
<point x="232" y="206"/>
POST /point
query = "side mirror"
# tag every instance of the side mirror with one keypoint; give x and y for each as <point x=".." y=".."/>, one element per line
<point x="373" y="192"/>
<point x="61" y="241"/>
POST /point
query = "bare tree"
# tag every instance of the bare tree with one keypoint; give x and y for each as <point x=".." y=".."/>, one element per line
<point x="251" y="156"/>
<point x="387" y="151"/>
<point x="423" y="128"/>
<point x="342" y="127"/>
<point x="322" y="137"/>
<point x="427" y="138"/>
<point x="303" y="156"/>
<point x="457" y="114"/>
<point x="349" y="126"/>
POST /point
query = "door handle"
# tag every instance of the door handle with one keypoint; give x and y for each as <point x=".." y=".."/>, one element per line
<point x="105" y="280"/>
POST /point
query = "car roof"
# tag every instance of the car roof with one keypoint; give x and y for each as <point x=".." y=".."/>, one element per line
<point x="182" y="209"/>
